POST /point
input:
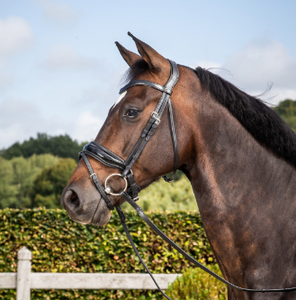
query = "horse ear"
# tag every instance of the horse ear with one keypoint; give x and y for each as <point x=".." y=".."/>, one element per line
<point x="155" y="61"/>
<point x="128" y="56"/>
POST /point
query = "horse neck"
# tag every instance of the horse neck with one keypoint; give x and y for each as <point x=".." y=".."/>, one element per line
<point x="241" y="189"/>
<point x="230" y="163"/>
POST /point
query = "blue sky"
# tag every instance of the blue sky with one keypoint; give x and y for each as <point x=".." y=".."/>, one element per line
<point x="60" y="70"/>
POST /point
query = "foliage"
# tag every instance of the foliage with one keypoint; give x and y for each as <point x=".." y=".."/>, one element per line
<point x="61" y="146"/>
<point x="17" y="176"/>
<point x="7" y="191"/>
<point x="287" y="110"/>
<point x="39" y="181"/>
<point x="197" y="284"/>
<point x="60" y="245"/>
<point x="49" y="184"/>
<point x="162" y="196"/>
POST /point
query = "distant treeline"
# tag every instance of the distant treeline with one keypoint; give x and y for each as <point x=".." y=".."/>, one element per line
<point x="61" y="146"/>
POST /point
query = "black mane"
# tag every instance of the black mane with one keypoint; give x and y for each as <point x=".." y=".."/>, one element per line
<point x="260" y="121"/>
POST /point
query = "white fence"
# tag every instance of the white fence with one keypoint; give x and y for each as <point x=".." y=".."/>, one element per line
<point x="23" y="281"/>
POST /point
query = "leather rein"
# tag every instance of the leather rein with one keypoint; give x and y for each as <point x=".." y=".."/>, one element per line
<point x="131" y="189"/>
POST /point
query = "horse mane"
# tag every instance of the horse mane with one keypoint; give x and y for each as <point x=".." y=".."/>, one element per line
<point x="137" y="68"/>
<point x="263" y="123"/>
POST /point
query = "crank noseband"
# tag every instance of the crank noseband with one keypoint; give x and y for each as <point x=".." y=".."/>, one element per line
<point x="103" y="155"/>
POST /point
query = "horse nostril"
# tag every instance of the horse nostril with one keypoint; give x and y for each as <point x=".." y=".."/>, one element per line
<point x="72" y="200"/>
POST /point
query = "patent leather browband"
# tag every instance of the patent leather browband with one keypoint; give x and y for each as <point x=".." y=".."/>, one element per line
<point x="146" y="83"/>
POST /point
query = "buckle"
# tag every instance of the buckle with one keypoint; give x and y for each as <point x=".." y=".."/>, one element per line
<point x="155" y="116"/>
<point x="136" y="198"/>
<point x="93" y="175"/>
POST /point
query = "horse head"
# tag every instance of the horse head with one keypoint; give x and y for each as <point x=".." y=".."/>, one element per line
<point x="139" y="103"/>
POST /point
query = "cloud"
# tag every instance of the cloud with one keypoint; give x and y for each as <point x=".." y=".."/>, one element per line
<point x="6" y="79"/>
<point x="59" y="12"/>
<point x="15" y="35"/>
<point x="64" y="56"/>
<point x="87" y="126"/>
<point x="20" y="120"/>
<point x="261" y="63"/>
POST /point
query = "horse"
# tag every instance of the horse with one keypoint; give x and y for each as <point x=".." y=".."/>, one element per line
<point x="238" y="154"/>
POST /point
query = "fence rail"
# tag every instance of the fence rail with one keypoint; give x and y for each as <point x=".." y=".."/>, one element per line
<point x="23" y="281"/>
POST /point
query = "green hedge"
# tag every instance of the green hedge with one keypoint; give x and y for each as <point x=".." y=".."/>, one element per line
<point x="60" y="245"/>
<point x="195" y="284"/>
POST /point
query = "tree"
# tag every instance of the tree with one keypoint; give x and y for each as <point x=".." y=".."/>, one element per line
<point x="7" y="190"/>
<point x="287" y="111"/>
<point x="162" y="196"/>
<point x="14" y="151"/>
<point x="48" y="185"/>
<point x="61" y="146"/>
<point x="22" y="178"/>
<point x="17" y="176"/>
<point x="24" y="173"/>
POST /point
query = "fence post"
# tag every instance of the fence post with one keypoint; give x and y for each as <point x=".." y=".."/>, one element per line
<point x="23" y="286"/>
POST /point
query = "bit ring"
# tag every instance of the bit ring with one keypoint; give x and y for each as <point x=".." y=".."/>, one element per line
<point x="108" y="190"/>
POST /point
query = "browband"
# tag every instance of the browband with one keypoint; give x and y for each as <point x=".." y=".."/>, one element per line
<point x="167" y="88"/>
<point x="146" y="83"/>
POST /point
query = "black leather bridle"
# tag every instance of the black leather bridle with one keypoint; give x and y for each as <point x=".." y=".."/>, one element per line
<point x="110" y="159"/>
<point x="131" y="189"/>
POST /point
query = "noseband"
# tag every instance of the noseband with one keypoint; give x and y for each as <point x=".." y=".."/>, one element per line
<point x="110" y="159"/>
<point x="131" y="189"/>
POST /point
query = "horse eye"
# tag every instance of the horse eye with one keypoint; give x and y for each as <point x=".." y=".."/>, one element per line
<point x="132" y="113"/>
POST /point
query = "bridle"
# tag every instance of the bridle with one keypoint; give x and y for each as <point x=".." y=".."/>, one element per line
<point x="131" y="189"/>
<point x="110" y="159"/>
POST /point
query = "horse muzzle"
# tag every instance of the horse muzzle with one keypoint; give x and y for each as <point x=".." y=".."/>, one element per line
<point x="85" y="206"/>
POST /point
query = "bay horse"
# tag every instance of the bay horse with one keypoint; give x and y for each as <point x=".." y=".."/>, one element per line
<point x="238" y="154"/>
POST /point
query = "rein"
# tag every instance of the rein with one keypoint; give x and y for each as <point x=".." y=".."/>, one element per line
<point x="131" y="189"/>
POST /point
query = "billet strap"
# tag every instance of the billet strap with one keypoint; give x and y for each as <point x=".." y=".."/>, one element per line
<point x="133" y="188"/>
<point x="140" y="212"/>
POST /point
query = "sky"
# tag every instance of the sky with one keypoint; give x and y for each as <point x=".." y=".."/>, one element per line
<point x="60" y="70"/>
